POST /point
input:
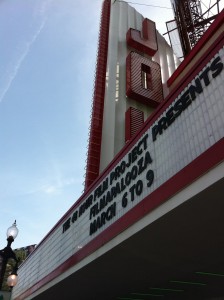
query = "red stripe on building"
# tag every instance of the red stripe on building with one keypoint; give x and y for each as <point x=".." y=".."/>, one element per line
<point x="94" y="148"/>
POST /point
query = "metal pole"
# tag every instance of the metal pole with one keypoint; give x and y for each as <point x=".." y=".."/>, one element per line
<point x="6" y="254"/>
<point x="2" y="269"/>
<point x="10" y="293"/>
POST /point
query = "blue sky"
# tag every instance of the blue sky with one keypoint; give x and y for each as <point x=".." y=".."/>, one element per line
<point x="47" y="59"/>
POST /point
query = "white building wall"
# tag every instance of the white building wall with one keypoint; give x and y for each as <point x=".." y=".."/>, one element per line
<point x="116" y="103"/>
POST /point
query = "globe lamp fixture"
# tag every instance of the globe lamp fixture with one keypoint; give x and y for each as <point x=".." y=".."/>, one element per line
<point x="6" y="254"/>
<point x="12" y="279"/>
<point x="12" y="232"/>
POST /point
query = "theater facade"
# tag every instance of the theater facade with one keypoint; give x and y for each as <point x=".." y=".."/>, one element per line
<point x="150" y="223"/>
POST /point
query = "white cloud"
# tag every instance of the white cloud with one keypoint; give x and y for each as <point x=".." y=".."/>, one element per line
<point x="54" y="188"/>
<point x="50" y="189"/>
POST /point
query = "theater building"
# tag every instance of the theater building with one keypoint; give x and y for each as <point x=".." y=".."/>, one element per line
<point x="150" y="222"/>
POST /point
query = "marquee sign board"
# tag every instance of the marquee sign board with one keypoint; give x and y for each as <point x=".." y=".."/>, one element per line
<point x="182" y="129"/>
<point x="177" y="137"/>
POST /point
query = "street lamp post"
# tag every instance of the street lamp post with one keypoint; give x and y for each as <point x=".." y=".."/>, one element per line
<point x="7" y="253"/>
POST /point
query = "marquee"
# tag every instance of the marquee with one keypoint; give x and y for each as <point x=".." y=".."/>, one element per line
<point x="181" y="140"/>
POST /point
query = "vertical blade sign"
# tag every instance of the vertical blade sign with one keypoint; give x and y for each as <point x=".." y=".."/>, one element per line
<point x="143" y="76"/>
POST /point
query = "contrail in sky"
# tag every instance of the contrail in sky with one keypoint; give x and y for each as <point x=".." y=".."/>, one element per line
<point x="26" y="50"/>
<point x="20" y="61"/>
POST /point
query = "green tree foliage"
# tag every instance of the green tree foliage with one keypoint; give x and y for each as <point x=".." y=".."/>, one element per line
<point x="21" y="254"/>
